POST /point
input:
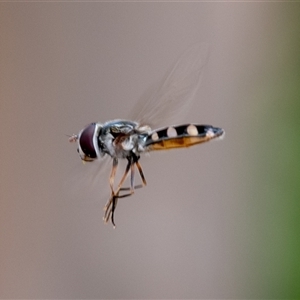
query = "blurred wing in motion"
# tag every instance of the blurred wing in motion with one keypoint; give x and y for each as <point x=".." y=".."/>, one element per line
<point x="170" y="101"/>
<point x="86" y="174"/>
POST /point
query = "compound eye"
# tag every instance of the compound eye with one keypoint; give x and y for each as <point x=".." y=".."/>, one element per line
<point x="86" y="142"/>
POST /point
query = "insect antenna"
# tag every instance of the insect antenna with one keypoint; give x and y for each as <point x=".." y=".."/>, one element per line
<point x="72" y="138"/>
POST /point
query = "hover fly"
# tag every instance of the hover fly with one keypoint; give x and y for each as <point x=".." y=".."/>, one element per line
<point x="126" y="139"/>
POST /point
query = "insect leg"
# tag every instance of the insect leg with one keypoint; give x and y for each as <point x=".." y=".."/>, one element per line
<point x="114" y="205"/>
<point x="132" y="186"/>
<point x="111" y="205"/>
<point x="129" y="166"/>
<point x="107" y="207"/>
<point x="138" y="186"/>
<point x="132" y="178"/>
<point x="141" y="172"/>
<point x="113" y="174"/>
<point x="110" y="208"/>
<point x="133" y="158"/>
<point x="139" y="167"/>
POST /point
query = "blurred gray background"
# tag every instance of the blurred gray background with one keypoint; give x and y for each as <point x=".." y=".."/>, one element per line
<point x="220" y="220"/>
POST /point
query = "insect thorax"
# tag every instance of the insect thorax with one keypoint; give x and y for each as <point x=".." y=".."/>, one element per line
<point x="119" y="138"/>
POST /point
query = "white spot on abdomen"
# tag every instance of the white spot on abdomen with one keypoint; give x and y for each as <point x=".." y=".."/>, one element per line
<point x="192" y="130"/>
<point x="154" y="136"/>
<point x="171" y="132"/>
<point x="210" y="133"/>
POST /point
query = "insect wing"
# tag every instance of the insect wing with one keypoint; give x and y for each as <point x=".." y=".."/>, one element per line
<point x="171" y="99"/>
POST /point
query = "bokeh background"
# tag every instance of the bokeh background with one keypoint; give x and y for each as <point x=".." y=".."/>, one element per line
<point x="216" y="221"/>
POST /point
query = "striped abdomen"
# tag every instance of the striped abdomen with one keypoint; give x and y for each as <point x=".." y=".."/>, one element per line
<point x="181" y="136"/>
